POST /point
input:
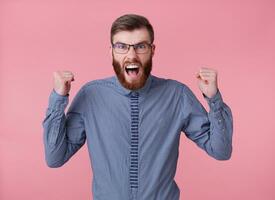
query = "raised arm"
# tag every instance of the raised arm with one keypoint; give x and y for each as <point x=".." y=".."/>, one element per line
<point x="210" y="131"/>
<point x="63" y="134"/>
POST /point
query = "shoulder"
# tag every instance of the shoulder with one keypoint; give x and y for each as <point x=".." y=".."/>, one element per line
<point x="173" y="86"/>
<point x="99" y="83"/>
<point x="168" y="83"/>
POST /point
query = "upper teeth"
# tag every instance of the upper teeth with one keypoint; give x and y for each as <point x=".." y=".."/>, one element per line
<point x="131" y="67"/>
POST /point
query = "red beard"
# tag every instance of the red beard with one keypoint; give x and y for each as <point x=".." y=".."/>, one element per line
<point x="145" y="70"/>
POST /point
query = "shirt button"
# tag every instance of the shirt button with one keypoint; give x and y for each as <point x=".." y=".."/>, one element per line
<point x="219" y="121"/>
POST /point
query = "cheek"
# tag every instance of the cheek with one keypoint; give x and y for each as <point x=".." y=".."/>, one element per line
<point x="144" y="59"/>
<point x="119" y="59"/>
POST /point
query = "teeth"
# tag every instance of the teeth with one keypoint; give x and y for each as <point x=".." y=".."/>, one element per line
<point x="131" y="67"/>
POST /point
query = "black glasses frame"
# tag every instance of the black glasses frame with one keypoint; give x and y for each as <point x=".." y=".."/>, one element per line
<point x="132" y="45"/>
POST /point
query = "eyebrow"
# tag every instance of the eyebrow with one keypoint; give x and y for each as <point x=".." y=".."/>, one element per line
<point x="144" y="41"/>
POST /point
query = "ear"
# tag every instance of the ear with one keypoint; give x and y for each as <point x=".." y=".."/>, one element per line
<point x="111" y="51"/>
<point x="153" y="49"/>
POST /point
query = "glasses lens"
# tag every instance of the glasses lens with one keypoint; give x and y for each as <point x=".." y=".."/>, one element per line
<point x="120" y="48"/>
<point x="141" y="48"/>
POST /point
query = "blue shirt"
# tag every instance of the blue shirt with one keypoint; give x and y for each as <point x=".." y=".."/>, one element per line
<point x="133" y="136"/>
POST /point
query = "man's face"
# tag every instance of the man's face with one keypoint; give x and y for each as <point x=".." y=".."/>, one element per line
<point x="132" y="79"/>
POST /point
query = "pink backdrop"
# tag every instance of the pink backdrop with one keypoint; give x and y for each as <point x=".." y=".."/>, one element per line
<point x="235" y="37"/>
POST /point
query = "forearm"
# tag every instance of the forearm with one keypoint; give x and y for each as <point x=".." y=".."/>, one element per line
<point x="58" y="148"/>
<point x="221" y="129"/>
<point x="54" y="132"/>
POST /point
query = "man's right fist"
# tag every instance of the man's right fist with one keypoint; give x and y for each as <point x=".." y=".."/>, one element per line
<point x="62" y="82"/>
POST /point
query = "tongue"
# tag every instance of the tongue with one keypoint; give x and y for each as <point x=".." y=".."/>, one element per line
<point x="132" y="73"/>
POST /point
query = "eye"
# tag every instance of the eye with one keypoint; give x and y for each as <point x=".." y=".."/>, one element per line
<point x="140" y="46"/>
<point x="120" y="46"/>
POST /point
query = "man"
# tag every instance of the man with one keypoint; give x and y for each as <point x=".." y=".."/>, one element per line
<point x="133" y="121"/>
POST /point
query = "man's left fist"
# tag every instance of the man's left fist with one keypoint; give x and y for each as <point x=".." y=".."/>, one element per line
<point x="207" y="80"/>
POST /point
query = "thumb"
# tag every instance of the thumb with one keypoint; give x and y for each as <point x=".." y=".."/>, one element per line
<point x="198" y="76"/>
<point x="201" y="78"/>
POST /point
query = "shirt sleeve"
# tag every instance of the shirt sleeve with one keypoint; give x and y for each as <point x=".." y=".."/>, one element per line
<point x="63" y="134"/>
<point x="210" y="131"/>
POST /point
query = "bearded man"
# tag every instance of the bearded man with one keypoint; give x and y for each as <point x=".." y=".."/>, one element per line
<point x="133" y="121"/>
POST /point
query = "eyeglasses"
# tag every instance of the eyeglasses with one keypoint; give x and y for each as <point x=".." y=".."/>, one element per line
<point x="139" y="48"/>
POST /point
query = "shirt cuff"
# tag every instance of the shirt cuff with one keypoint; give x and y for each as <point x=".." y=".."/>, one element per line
<point x="57" y="101"/>
<point x="215" y="102"/>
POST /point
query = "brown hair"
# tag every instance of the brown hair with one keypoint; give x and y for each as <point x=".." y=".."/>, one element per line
<point x="130" y="22"/>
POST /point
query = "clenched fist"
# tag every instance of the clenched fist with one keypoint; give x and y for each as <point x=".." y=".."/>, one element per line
<point x="207" y="79"/>
<point x="62" y="82"/>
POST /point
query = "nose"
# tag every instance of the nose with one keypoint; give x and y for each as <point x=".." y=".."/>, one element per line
<point x="132" y="53"/>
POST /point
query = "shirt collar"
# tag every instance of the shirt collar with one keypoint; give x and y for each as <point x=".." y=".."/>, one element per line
<point x="127" y="92"/>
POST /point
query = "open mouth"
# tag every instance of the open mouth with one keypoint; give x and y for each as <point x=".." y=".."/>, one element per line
<point x="132" y="69"/>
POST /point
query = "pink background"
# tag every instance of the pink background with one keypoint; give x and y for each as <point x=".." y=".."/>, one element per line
<point x="234" y="37"/>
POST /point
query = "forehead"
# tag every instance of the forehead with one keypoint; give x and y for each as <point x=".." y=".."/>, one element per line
<point x="132" y="37"/>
